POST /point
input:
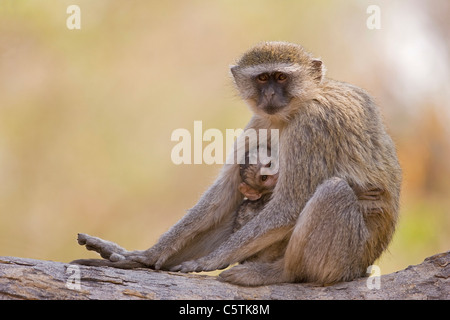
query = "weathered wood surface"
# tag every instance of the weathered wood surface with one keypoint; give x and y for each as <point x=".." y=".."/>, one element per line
<point x="22" y="278"/>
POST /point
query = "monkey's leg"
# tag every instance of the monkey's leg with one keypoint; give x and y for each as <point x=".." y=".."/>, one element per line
<point x="217" y="204"/>
<point x="258" y="234"/>
<point x="198" y="233"/>
<point x="329" y="240"/>
<point x="326" y="246"/>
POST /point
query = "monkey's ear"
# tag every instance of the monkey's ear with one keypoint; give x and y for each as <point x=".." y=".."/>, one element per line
<point x="317" y="70"/>
<point x="249" y="192"/>
<point x="233" y="70"/>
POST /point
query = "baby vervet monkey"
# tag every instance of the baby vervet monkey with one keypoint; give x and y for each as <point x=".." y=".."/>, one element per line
<point x="335" y="205"/>
<point x="257" y="188"/>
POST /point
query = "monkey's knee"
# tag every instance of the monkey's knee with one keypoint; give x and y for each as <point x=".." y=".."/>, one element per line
<point x="331" y="197"/>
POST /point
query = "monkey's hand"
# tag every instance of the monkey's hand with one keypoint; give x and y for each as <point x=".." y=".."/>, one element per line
<point x="107" y="249"/>
<point x="207" y="263"/>
<point x="153" y="258"/>
<point x="373" y="194"/>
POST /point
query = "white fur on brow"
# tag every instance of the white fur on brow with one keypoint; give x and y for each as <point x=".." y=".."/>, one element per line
<point x="252" y="71"/>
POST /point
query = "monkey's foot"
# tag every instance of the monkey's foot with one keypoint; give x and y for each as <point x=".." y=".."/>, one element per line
<point x="190" y="266"/>
<point x="252" y="274"/>
<point x="107" y="249"/>
<point x="371" y="195"/>
<point x="198" y="265"/>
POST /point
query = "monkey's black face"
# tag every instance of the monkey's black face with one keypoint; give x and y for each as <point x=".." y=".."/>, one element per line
<point x="273" y="93"/>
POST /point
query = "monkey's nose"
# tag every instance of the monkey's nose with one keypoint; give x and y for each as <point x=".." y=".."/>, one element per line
<point x="269" y="92"/>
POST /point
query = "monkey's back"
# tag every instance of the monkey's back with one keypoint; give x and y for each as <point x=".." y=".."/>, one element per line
<point x="341" y="134"/>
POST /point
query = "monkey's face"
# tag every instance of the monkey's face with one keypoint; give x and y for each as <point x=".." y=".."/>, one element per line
<point x="267" y="88"/>
<point x="267" y="182"/>
<point x="272" y="94"/>
<point x="255" y="184"/>
<point x="272" y="76"/>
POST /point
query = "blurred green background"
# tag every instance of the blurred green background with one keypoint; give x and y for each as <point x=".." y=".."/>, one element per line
<point x="86" y="115"/>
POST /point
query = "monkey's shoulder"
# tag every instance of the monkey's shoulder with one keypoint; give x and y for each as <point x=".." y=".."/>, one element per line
<point x="340" y="105"/>
<point x="350" y="99"/>
<point x="339" y="92"/>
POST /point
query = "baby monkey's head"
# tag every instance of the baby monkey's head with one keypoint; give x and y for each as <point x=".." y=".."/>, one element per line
<point x="254" y="184"/>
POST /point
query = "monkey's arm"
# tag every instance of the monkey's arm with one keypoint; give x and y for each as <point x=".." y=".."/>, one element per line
<point x="206" y="222"/>
<point x="216" y="205"/>
<point x="263" y="230"/>
<point x="273" y="223"/>
<point x="202" y="224"/>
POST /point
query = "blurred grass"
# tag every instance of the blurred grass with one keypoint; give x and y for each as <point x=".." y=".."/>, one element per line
<point x="86" y="115"/>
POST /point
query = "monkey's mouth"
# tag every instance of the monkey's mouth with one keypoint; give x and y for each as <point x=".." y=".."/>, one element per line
<point x="273" y="105"/>
<point x="272" y="109"/>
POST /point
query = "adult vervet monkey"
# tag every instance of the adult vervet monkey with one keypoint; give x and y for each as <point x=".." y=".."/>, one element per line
<point x="334" y="208"/>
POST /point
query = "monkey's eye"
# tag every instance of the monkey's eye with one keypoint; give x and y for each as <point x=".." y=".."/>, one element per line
<point x="264" y="178"/>
<point x="263" y="77"/>
<point x="281" y="77"/>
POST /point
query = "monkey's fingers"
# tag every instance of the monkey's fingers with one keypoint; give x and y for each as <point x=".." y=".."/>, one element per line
<point x="106" y="249"/>
<point x="372" y="195"/>
<point x="149" y="258"/>
<point x="163" y="256"/>
<point x="176" y="268"/>
<point x="188" y="266"/>
<point x="82" y="238"/>
<point x="140" y="259"/>
<point x="198" y="265"/>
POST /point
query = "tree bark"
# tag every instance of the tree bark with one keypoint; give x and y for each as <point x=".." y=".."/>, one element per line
<point x="22" y="278"/>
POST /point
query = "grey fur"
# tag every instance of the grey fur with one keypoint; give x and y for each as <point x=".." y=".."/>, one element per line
<point x="333" y="210"/>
